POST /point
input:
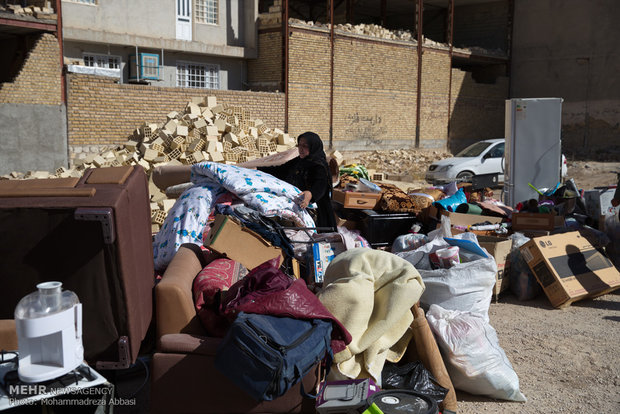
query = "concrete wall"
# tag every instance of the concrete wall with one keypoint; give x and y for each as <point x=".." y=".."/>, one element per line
<point x="102" y="112"/>
<point x="152" y="24"/>
<point x="483" y="25"/>
<point x="571" y="51"/>
<point x="32" y="115"/>
<point x="34" y="137"/>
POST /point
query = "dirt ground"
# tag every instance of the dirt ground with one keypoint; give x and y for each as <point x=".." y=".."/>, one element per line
<point x="567" y="360"/>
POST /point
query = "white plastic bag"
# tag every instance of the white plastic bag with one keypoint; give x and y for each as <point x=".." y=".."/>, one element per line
<point x="467" y="286"/>
<point x="409" y="241"/>
<point x="475" y="361"/>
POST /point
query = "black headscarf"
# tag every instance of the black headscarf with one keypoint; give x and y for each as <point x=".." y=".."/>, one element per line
<point x="317" y="154"/>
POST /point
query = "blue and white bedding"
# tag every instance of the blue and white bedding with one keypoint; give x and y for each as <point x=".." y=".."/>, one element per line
<point x="188" y="217"/>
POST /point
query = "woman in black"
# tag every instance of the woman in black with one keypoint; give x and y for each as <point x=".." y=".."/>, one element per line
<point x="310" y="173"/>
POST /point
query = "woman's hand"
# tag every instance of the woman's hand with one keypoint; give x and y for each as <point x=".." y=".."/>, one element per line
<point x="303" y="200"/>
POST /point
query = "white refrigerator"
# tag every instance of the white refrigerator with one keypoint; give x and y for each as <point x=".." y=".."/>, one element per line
<point x="533" y="153"/>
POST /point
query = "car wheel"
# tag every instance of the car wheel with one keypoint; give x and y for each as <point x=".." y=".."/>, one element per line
<point x="465" y="175"/>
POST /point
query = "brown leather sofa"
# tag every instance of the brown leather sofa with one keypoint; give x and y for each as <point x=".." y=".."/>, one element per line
<point x="184" y="378"/>
<point x="8" y="335"/>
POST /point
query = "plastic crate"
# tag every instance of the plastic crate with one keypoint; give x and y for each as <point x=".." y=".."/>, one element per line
<point x="381" y="229"/>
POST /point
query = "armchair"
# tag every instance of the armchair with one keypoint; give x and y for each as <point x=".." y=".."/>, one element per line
<point x="184" y="378"/>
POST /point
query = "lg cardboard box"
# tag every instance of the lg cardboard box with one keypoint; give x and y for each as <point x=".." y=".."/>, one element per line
<point x="354" y="199"/>
<point x="239" y="243"/>
<point x="499" y="248"/>
<point x="569" y="268"/>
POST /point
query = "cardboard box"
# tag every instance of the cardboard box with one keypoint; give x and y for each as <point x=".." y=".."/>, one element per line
<point x="461" y="219"/>
<point x="569" y="268"/>
<point x="353" y="199"/>
<point x="239" y="243"/>
<point x="499" y="248"/>
<point x="322" y="255"/>
<point x="535" y="221"/>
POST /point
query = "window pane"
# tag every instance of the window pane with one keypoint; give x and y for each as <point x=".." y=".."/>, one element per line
<point x="193" y="75"/>
<point x="102" y="61"/>
<point x="205" y="11"/>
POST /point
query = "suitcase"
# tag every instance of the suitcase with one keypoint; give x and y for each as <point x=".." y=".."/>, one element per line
<point x="93" y="234"/>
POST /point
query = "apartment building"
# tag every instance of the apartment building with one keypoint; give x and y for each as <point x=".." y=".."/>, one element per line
<point x="171" y="43"/>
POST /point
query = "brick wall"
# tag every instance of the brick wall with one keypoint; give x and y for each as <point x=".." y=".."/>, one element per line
<point x="265" y="73"/>
<point x="374" y="89"/>
<point x="477" y="110"/>
<point x="309" y="82"/>
<point x="39" y="80"/>
<point x="103" y="112"/>
<point x="434" y="103"/>
<point x="375" y="86"/>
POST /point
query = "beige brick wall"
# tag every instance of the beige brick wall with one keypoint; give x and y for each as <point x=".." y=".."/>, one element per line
<point x="309" y="83"/>
<point x="265" y="73"/>
<point x="103" y="112"/>
<point x="477" y="110"/>
<point x="39" y="80"/>
<point x="434" y="103"/>
<point x="374" y="89"/>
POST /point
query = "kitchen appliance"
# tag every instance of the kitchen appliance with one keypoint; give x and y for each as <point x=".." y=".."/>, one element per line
<point x="49" y="333"/>
<point x="533" y="150"/>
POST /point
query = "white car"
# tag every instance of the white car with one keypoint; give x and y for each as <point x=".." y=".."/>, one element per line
<point x="483" y="157"/>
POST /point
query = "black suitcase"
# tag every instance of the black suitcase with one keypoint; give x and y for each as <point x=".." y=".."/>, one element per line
<point x="94" y="236"/>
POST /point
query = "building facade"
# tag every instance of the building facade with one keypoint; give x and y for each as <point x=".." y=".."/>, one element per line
<point x="200" y="44"/>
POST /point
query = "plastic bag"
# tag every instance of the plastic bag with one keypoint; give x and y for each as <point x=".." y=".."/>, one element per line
<point x="452" y="202"/>
<point x="412" y="376"/>
<point x="467" y="286"/>
<point x="409" y="241"/>
<point x="352" y="238"/>
<point x="475" y="361"/>
<point x="523" y="283"/>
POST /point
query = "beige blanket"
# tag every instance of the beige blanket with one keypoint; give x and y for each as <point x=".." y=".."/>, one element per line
<point x="371" y="292"/>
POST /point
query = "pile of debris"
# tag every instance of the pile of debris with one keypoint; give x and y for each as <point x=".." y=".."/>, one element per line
<point x="399" y="34"/>
<point x="35" y="11"/>
<point x="363" y="29"/>
<point x="399" y="164"/>
<point x="204" y="131"/>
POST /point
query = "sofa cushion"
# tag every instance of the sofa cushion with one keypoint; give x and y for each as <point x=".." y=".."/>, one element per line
<point x="215" y="277"/>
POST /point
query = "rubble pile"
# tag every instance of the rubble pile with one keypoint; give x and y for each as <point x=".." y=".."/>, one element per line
<point x="204" y="131"/>
<point x="363" y="29"/>
<point x="398" y="164"/>
<point x="35" y="11"/>
<point x="400" y="34"/>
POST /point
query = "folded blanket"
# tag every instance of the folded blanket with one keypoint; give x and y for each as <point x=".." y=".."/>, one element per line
<point x="371" y="293"/>
<point x="186" y="220"/>
<point x="261" y="191"/>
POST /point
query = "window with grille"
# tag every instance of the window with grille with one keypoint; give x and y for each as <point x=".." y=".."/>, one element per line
<point x="85" y="1"/>
<point x="102" y="61"/>
<point x="196" y="75"/>
<point x="205" y="11"/>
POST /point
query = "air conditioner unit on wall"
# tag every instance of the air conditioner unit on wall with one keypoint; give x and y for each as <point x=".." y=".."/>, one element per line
<point x="147" y="68"/>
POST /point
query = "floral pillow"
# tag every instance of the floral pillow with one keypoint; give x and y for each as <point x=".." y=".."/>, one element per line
<point x="217" y="276"/>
